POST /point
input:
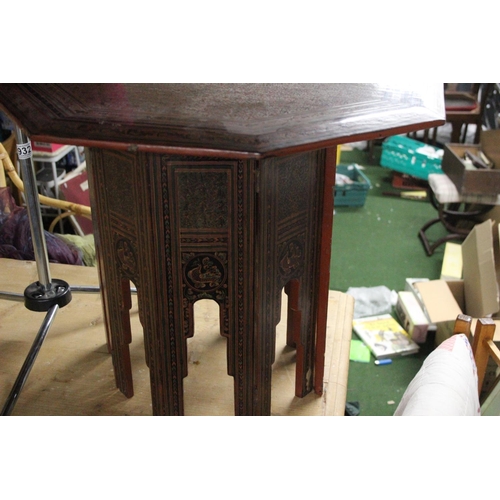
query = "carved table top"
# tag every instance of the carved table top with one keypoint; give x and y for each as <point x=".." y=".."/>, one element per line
<point x="246" y="120"/>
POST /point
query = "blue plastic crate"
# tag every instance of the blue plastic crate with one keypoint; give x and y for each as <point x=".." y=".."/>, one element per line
<point x="354" y="194"/>
<point x="411" y="157"/>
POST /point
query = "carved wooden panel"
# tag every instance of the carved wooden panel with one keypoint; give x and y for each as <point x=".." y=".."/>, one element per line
<point x="233" y="231"/>
<point x="210" y="236"/>
<point x="290" y="200"/>
<point x="113" y="178"/>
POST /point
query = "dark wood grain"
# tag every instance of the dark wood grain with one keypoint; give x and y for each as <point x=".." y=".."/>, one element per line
<point x="242" y="118"/>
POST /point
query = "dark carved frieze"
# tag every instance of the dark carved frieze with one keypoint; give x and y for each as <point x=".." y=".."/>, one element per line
<point x="203" y="199"/>
<point x="126" y="256"/>
<point x="291" y="260"/>
<point x="294" y="184"/>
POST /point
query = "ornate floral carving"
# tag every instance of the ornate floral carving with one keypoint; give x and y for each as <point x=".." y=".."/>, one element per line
<point x="291" y="259"/>
<point x="126" y="257"/>
<point x="204" y="272"/>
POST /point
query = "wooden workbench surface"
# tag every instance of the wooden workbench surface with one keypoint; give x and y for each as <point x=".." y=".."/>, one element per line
<point x="73" y="373"/>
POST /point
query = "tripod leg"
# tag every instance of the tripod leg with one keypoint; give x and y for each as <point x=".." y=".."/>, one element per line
<point x="28" y="363"/>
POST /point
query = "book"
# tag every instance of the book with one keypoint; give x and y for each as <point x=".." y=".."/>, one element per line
<point x="384" y="336"/>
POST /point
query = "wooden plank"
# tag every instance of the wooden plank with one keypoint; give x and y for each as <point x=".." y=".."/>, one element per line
<point x="73" y="373"/>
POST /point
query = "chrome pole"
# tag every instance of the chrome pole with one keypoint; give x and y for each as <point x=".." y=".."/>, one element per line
<point x="18" y="297"/>
<point x="28" y="363"/>
<point x="33" y="207"/>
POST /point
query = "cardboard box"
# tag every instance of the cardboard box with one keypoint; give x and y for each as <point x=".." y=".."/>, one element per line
<point x="410" y="286"/>
<point x="476" y="294"/>
<point x="451" y="268"/>
<point x="412" y="317"/>
<point x="474" y="181"/>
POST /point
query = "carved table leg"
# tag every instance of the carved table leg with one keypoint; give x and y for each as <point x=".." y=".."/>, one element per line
<point x="113" y="253"/>
<point x="290" y="194"/>
<point x="117" y="304"/>
<point x="163" y="340"/>
<point x="323" y="283"/>
<point x="293" y="321"/>
<point x="103" y="301"/>
<point x="207" y="212"/>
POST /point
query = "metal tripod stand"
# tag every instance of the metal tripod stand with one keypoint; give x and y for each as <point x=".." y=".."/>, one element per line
<point x="47" y="294"/>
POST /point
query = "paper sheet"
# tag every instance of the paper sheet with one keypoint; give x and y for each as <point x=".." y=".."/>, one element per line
<point x="359" y="352"/>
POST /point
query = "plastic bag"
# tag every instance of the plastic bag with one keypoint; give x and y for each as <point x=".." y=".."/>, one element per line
<point x="372" y="301"/>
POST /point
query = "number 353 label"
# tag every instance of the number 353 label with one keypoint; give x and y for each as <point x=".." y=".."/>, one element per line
<point x="24" y="151"/>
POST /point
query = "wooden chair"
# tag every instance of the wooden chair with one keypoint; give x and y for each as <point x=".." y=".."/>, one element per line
<point x="482" y="343"/>
<point x="463" y="109"/>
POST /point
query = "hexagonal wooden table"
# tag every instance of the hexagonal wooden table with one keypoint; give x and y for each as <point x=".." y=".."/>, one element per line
<point x="222" y="192"/>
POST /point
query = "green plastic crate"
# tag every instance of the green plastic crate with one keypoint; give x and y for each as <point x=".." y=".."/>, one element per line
<point x="411" y="157"/>
<point x="352" y="195"/>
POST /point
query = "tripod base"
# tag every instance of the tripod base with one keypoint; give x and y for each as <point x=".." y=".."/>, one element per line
<point x="38" y="299"/>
